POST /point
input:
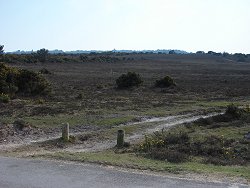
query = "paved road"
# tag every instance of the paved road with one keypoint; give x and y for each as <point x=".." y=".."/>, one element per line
<point x="28" y="173"/>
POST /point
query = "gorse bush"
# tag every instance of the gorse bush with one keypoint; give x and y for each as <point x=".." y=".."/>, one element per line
<point x="170" y="147"/>
<point x="131" y="79"/>
<point x="8" y="79"/>
<point x="32" y="83"/>
<point x="167" y="81"/>
<point x="13" y="81"/>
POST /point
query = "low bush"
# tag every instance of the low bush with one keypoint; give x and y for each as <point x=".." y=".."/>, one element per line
<point x="4" y="98"/>
<point x="45" y="71"/>
<point x="179" y="147"/>
<point x="234" y="111"/>
<point x="8" y="79"/>
<point x="167" y="81"/>
<point x="13" y="81"/>
<point x="177" y="138"/>
<point x="170" y="147"/>
<point x="20" y="124"/>
<point x="31" y="83"/>
<point x="131" y="79"/>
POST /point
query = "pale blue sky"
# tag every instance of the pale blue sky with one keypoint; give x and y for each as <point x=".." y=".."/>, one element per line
<point x="191" y="25"/>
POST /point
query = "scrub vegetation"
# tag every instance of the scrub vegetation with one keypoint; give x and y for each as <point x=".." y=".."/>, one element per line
<point x="100" y="93"/>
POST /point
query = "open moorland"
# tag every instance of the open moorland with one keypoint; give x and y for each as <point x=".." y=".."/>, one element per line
<point x="84" y="94"/>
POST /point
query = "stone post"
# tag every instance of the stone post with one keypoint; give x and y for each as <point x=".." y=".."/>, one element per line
<point x="65" y="132"/>
<point x="120" y="138"/>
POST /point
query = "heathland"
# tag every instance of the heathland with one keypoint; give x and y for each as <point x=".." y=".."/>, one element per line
<point x="81" y="89"/>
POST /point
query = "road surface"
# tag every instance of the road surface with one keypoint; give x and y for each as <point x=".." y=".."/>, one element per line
<point x="29" y="173"/>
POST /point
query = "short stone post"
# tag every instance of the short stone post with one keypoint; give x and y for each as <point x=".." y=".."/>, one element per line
<point x="65" y="132"/>
<point x="120" y="138"/>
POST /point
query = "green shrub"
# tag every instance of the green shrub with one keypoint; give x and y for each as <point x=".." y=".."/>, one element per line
<point x="20" y="124"/>
<point x="31" y="83"/>
<point x="177" y="138"/>
<point x="179" y="147"/>
<point x="4" y="98"/>
<point x="129" y="80"/>
<point x="44" y="71"/>
<point x="8" y="79"/>
<point x="13" y="80"/>
<point x="167" y="81"/>
<point x="234" y="111"/>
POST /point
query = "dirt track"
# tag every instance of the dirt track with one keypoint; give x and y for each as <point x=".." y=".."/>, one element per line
<point x="102" y="144"/>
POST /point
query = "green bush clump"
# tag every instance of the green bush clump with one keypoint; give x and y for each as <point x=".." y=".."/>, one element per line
<point x="13" y="81"/>
<point x="234" y="111"/>
<point x="172" y="147"/>
<point x="179" y="147"/>
<point x="131" y="79"/>
<point x="167" y="81"/>
<point x="44" y="71"/>
<point x="179" y="138"/>
<point x="32" y="83"/>
<point x="8" y="79"/>
<point x="4" y="98"/>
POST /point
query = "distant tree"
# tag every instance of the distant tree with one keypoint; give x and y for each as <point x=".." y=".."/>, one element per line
<point x="218" y="54"/>
<point x="172" y="52"/>
<point x="42" y="55"/>
<point x="225" y="54"/>
<point x="211" y="53"/>
<point x="240" y="57"/>
<point x="200" y="52"/>
<point x="1" y="52"/>
<point x="1" y="49"/>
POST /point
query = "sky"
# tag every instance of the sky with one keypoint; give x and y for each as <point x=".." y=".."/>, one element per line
<point x="191" y="25"/>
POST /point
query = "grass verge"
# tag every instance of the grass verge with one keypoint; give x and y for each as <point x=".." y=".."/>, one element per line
<point x="133" y="161"/>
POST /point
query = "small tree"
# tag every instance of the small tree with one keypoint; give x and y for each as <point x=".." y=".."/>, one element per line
<point x="167" y="81"/>
<point x="42" y="54"/>
<point x="128" y="80"/>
